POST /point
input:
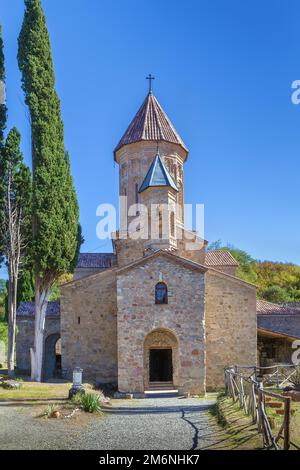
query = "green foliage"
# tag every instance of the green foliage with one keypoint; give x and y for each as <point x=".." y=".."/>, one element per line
<point x="247" y="264"/>
<point x="3" y="113"/>
<point x="275" y="294"/>
<point x="15" y="188"/>
<point x="89" y="402"/>
<point x="276" y="282"/>
<point x="25" y="284"/>
<point x="3" y="297"/>
<point x="3" y="289"/>
<point x="55" y="208"/>
<point x="49" y="411"/>
<point x="3" y="109"/>
<point x="283" y="275"/>
<point x="80" y="241"/>
<point x="4" y="332"/>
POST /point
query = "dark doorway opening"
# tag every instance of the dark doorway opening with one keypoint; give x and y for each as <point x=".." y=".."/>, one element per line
<point x="52" y="357"/>
<point x="161" y="369"/>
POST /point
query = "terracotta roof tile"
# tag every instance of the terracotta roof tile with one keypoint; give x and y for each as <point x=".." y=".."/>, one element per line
<point x="150" y="123"/>
<point x="220" y="258"/>
<point x="267" y="308"/>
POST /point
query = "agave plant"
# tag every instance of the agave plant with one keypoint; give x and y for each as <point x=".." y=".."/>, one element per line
<point x="90" y="403"/>
<point x="49" y="411"/>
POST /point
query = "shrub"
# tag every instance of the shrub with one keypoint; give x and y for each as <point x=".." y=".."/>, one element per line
<point x="90" y="402"/>
<point x="49" y="411"/>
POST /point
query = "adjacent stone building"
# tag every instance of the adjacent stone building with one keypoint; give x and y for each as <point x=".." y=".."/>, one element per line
<point x="160" y="311"/>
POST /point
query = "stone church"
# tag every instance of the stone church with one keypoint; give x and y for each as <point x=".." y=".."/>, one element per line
<point x="160" y="311"/>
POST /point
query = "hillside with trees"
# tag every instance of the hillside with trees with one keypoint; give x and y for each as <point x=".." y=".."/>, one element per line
<point x="276" y="282"/>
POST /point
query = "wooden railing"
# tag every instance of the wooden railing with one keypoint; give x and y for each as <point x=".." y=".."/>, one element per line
<point x="244" y="385"/>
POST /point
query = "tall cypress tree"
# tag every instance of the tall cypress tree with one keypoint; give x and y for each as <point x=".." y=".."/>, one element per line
<point x="2" y="92"/>
<point x="55" y="208"/>
<point x="3" y="112"/>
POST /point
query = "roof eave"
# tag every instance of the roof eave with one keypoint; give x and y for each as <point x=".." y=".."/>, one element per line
<point x="119" y="147"/>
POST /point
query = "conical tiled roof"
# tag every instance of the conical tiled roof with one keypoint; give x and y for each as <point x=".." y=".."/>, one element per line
<point x="150" y="123"/>
<point x="158" y="175"/>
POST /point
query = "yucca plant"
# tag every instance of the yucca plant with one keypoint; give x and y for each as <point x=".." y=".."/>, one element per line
<point x="90" y="403"/>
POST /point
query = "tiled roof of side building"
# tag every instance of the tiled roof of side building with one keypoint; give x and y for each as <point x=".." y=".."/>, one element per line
<point x="220" y="258"/>
<point x="96" y="260"/>
<point x="267" y="308"/>
<point x="26" y="309"/>
<point x="150" y="123"/>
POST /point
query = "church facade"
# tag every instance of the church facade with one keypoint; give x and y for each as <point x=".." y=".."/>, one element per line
<point x="160" y="311"/>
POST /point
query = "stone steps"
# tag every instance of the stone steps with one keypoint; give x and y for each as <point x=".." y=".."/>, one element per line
<point x="161" y="386"/>
<point x="161" y="390"/>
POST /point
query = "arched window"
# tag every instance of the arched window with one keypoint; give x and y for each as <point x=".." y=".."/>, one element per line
<point x="161" y="293"/>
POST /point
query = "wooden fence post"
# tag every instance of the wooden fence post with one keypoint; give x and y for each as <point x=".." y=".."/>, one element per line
<point x="287" y="420"/>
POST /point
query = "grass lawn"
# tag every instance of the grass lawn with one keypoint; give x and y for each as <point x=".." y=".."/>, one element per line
<point x="35" y="391"/>
<point x="295" y="422"/>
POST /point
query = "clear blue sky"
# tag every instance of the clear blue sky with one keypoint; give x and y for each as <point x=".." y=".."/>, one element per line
<point x="223" y="74"/>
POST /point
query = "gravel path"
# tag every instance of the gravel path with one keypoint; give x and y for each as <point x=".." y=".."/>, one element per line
<point x="152" y="423"/>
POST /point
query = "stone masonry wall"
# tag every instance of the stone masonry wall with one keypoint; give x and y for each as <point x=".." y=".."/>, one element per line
<point x="183" y="317"/>
<point x="134" y="162"/>
<point x="89" y="327"/>
<point x="25" y="339"/>
<point x="230" y="323"/>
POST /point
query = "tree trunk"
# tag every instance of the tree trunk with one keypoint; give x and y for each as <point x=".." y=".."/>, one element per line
<point x="37" y="352"/>
<point x="11" y="325"/>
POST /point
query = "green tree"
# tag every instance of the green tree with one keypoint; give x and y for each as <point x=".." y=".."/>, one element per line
<point x="3" y="112"/>
<point x="286" y="276"/>
<point x="15" y="191"/>
<point x="275" y="294"/>
<point x="26" y="283"/>
<point x="3" y="109"/>
<point x="55" y="208"/>
<point x="3" y="294"/>
<point x="247" y="264"/>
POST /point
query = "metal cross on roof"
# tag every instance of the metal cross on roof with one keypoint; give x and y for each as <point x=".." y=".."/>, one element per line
<point x="150" y="78"/>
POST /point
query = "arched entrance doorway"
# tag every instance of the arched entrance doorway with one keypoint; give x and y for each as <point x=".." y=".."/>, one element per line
<point x="52" y="357"/>
<point x="160" y="358"/>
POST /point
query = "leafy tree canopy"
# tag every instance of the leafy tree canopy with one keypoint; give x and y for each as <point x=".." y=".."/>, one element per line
<point x="276" y="282"/>
<point x="55" y="208"/>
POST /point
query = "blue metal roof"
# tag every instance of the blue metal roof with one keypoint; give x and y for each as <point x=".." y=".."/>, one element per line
<point x="158" y="175"/>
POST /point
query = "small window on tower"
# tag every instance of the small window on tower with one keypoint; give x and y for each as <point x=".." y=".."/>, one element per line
<point x="161" y="293"/>
<point x="172" y="223"/>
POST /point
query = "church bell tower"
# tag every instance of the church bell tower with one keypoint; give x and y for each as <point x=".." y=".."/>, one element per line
<point x="151" y="156"/>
